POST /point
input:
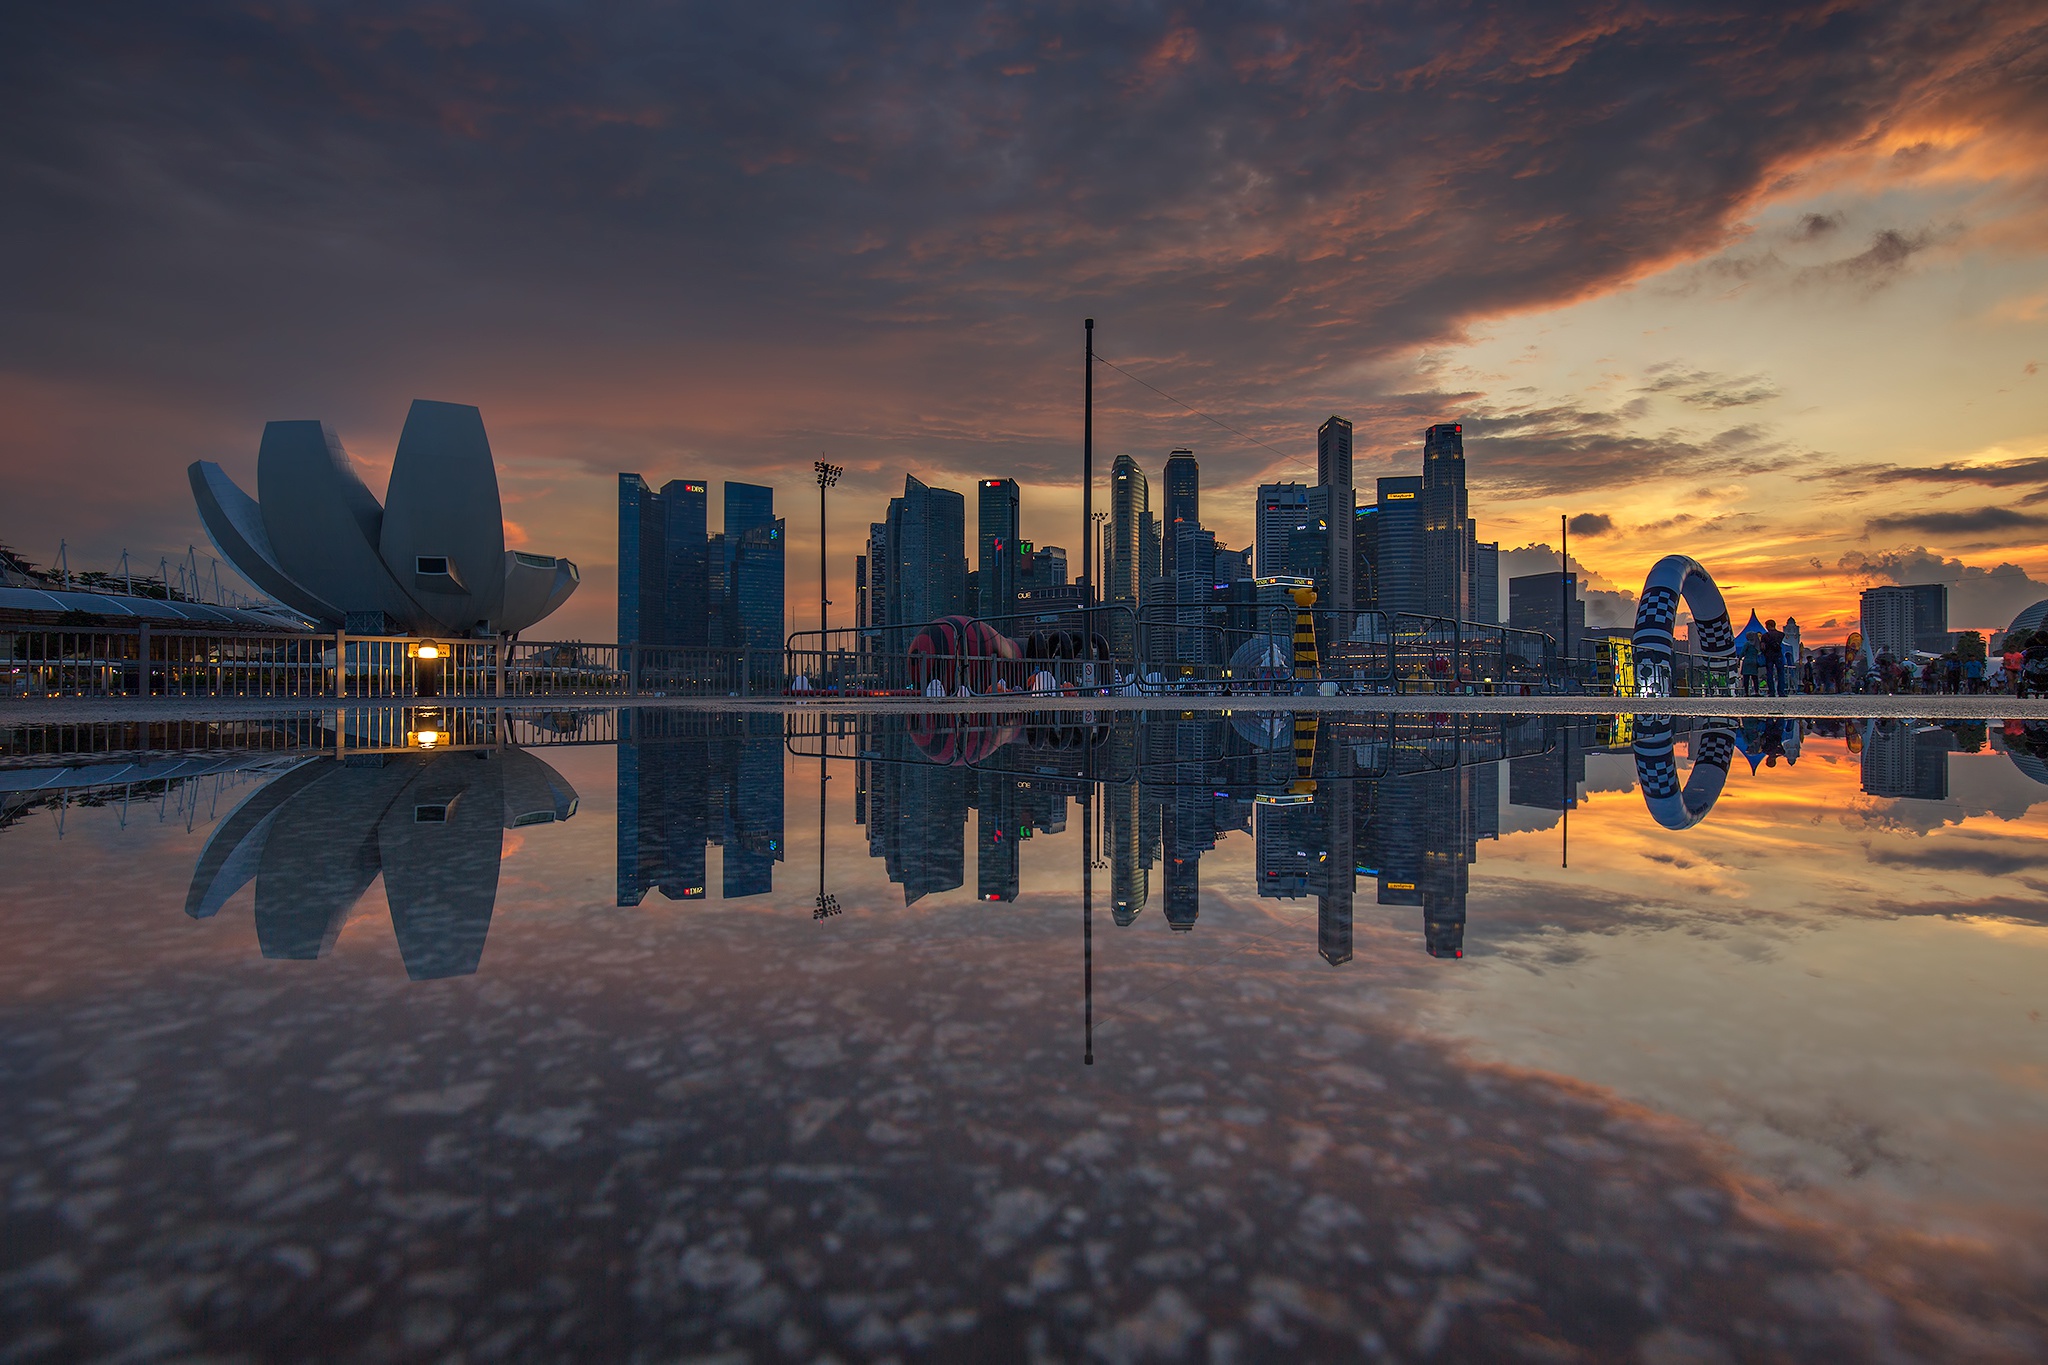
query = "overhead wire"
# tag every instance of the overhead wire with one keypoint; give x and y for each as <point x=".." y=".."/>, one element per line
<point x="1296" y="459"/>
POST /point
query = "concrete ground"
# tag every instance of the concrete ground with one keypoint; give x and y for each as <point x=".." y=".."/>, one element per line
<point x="105" y="710"/>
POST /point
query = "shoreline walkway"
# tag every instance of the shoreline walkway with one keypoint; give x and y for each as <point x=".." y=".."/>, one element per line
<point x="102" y="710"/>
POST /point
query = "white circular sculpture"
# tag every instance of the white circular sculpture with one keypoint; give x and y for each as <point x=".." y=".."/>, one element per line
<point x="1671" y="578"/>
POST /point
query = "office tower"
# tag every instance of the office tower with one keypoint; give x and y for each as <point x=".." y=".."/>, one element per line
<point x="997" y="534"/>
<point x="1282" y="510"/>
<point x="1128" y="870"/>
<point x="669" y="794"/>
<point x="860" y="591"/>
<point x="685" y="503"/>
<point x="1446" y="533"/>
<point x="754" y="805"/>
<point x="1183" y="482"/>
<point x="1129" y="509"/>
<point x="1397" y="545"/>
<point x="1548" y="604"/>
<point x="757" y="587"/>
<point x="643" y="571"/>
<point x="878" y="576"/>
<point x="1550" y="778"/>
<point x="675" y="581"/>
<point x="1365" y="588"/>
<point x="747" y="505"/>
<point x="1930" y="617"/>
<point x="927" y="535"/>
<point x="1902" y="760"/>
<point x="998" y="829"/>
<point x="1194" y="581"/>
<point x="1900" y="619"/>
<point x="1338" y="511"/>
<point x="1148" y="550"/>
<point x="1486" y="582"/>
<point x="1333" y="453"/>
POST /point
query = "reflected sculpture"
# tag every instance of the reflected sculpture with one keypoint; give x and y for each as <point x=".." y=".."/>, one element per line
<point x="1672" y="806"/>
<point x="1671" y="578"/>
<point x="432" y="824"/>
<point x="431" y="560"/>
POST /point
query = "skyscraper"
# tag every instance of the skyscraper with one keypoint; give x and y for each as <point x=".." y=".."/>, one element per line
<point x="1282" y="510"/>
<point x="1900" y="619"/>
<point x="1338" y="511"/>
<point x="643" y="576"/>
<point x="1446" y="531"/>
<point x="996" y="530"/>
<point x="677" y="584"/>
<point x="757" y="581"/>
<point x="1486" y="581"/>
<point x="1129" y="511"/>
<point x="1549" y="604"/>
<point x="1397" y="542"/>
<point x="685" y="533"/>
<point x="927" y="543"/>
<point x="1183" y="482"/>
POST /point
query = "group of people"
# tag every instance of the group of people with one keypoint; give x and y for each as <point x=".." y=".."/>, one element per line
<point x="2018" y="666"/>
<point x="1764" y="658"/>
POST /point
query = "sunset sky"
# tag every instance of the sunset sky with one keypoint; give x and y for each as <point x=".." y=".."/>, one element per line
<point x="1766" y="287"/>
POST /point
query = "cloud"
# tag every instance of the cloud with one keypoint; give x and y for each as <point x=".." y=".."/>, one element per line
<point x="1591" y="524"/>
<point x="1704" y="389"/>
<point x="733" y="236"/>
<point x="1815" y="225"/>
<point x="1606" y="603"/>
<point x="1975" y="521"/>
<point x="1979" y="598"/>
<point x="1883" y="261"/>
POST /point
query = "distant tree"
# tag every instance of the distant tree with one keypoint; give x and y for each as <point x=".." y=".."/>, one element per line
<point x="1970" y="645"/>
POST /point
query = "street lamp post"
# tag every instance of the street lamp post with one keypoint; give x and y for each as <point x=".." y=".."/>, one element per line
<point x="828" y="474"/>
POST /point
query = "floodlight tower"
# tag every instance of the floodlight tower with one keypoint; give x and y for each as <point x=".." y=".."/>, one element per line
<point x="828" y="474"/>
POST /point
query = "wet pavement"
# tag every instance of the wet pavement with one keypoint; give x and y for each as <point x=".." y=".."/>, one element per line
<point x="749" y="1036"/>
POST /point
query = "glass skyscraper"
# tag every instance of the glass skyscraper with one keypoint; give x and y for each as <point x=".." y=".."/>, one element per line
<point x="680" y="586"/>
<point x="997" y="533"/>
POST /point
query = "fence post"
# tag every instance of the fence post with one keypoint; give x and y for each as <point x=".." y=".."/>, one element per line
<point x="632" y="653"/>
<point x="340" y="664"/>
<point x="498" y="666"/>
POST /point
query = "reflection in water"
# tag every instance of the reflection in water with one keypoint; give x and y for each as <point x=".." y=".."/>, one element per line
<point x="431" y="823"/>
<point x="688" y="779"/>
<point x="744" y="1136"/>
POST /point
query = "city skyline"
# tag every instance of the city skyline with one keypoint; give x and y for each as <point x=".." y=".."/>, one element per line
<point x="1768" y="284"/>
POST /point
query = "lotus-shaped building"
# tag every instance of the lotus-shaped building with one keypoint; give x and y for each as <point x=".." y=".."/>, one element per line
<point x="431" y="560"/>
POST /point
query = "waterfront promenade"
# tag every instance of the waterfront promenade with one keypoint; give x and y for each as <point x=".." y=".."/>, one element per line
<point x="76" y="710"/>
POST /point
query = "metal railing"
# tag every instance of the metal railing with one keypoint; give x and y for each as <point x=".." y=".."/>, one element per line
<point x="1158" y="650"/>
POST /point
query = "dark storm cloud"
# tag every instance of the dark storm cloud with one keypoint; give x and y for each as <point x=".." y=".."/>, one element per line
<point x="1251" y="192"/>
<point x="1591" y="524"/>
<point x="1565" y="449"/>
<point x="1988" y="858"/>
<point x="721" y="238"/>
<point x="1975" y="521"/>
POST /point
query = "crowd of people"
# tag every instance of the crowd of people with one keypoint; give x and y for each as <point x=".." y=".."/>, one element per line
<point x="2016" y="666"/>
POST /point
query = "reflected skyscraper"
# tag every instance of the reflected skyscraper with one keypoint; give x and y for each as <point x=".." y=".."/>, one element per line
<point x="690" y="779"/>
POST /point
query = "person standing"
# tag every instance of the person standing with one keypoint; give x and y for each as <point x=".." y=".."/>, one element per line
<point x="1774" y="659"/>
<point x="2015" y="662"/>
<point x="1752" y="664"/>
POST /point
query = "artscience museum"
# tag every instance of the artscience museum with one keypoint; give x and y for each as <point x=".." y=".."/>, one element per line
<point x="429" y="560"/>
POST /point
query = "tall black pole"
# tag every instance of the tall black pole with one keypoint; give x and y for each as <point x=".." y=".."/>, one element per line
<point x="1088" y="468"/>
<point x="1087" y="931"/>
<point x="824" y="624"/>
